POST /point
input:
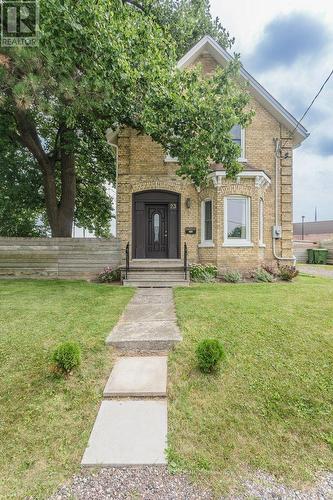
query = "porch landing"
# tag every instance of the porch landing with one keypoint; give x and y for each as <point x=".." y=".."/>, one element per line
<point x="155" y="273"/>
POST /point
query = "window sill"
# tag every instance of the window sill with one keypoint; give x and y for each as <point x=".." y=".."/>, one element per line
<point x="168" y="159"/>
<point x="242" y="160"/>
<point x="238" y="244"/>
<point x="206" y="244"/>
<point x="262" y="245"/>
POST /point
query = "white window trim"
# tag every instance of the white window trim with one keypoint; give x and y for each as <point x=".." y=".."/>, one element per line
<point x="205" y="243"/>
<point x="261" y="225"/>
<point x="170" y="159"/>
<point x="242" y="158"/>
<point x="237" y="242"/>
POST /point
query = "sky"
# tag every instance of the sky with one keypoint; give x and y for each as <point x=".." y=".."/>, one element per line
<point x="288" y="47"/>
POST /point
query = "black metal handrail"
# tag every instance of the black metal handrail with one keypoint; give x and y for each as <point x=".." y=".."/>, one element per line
<point x="185" y="261"/>
<point x="127" y="261"/>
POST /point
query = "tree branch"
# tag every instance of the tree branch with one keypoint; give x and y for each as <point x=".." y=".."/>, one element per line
<point x="29" y="138"/>
<point x="136" y="4"/>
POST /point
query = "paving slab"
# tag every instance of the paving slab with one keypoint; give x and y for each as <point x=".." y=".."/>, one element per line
<point x="128" y="433"/>
<point x="150" y="335"/>
<point x="138" y="376"/>
<point x="165" y="292"/>
<point x="151" y="299"/>
<point x="149" y="312"/>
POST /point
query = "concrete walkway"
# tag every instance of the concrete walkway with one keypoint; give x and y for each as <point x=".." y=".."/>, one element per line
<point x="131" y="425"/>
<point x="148" y="323"/>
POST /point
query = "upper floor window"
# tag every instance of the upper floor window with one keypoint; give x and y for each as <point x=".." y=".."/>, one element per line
<point x="238" y="137"/>
<point x="237" y="221"/>
<point x="170" y="159"/>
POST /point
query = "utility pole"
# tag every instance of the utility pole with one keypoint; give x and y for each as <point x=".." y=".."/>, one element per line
<point x="303" y="217"/>
<point x="316" y="214"/>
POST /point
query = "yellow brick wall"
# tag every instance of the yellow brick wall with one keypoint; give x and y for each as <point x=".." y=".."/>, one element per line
<point x="141" y="166"/>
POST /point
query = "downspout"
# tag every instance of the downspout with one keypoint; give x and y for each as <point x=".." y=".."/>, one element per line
<point x="277" y="154"/>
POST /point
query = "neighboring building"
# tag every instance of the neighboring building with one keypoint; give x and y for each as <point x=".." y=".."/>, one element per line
<point x="314" y="231"/>
<point x="229" y="223"/>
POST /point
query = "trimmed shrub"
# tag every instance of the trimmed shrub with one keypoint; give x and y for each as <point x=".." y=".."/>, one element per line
<point x="271" y="269"/>
<point x="205" y="273"/>
<point x="210" y="354"/>
<point x="108" y="275"/>
<point x="288" y="273"/>
<point x="262" y="276"/>
<point x="232" y="276"/>
<point x="67" y="356"/>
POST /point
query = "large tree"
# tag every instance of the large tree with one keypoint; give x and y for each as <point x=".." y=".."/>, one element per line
<point x="113" y="63"/>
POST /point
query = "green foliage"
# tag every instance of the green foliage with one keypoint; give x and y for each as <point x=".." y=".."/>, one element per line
<point x="260" y="275"/>
<point x="113" y="64"/>
<point x="271" y="269"/>
<point x="108" y="275"/>
<point x="288" y="273"/>
<point x="232" y="276"/>
<point x="67" y="356"/>
<point x="203" y="272"/>
<point x="210" y="354"/>
<point x="21" y="200"/>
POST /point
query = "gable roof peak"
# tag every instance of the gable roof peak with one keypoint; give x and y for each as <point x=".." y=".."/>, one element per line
<point x="207" y="44"/>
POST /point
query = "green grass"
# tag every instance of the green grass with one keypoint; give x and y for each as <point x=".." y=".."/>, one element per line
<point x="45" y="421"/>
<point x="271" y="406"/>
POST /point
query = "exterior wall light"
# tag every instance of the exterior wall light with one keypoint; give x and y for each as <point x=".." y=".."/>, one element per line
<point x="188" y="202"/>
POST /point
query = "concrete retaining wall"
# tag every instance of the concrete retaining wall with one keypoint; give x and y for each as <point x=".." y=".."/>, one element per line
<point x="57" y="258"/>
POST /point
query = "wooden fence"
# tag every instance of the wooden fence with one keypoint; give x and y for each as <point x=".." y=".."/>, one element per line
<point x="301" y="246"/>
<point x="57" y="258"/>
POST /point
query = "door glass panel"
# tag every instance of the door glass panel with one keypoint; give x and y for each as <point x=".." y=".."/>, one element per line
<point x="156" y="227"/>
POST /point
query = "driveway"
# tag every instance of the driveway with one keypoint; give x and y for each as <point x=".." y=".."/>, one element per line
<point x="316" y="270"/>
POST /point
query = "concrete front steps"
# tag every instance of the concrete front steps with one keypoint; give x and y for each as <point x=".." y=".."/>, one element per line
<point x="155" y="273"/>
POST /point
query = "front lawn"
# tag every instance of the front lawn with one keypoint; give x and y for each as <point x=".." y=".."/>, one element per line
<point x="45" y="421"/>
<point x="271" y="407"/>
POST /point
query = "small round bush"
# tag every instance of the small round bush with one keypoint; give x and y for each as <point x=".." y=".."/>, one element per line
<point x="210" y="354"/>
<point x="262" y="276"/>
<point x="232" y="277"/>
<point x="67" y="356"/>
<point x="288" y="273"/>
<point x="205" y="273"/>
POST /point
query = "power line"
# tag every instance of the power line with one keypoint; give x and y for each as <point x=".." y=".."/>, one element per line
<point x="310" y="105"/>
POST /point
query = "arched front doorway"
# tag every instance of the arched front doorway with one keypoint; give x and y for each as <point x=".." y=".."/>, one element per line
<point x="156" y="225"/>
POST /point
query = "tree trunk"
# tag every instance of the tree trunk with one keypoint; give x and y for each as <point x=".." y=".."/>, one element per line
<point x="68" y="185"/>
<point x="60" y="214"/>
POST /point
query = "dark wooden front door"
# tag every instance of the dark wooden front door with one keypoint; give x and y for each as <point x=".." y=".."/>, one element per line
<point x="156" y="225"/>
<point x="156" y="231"/>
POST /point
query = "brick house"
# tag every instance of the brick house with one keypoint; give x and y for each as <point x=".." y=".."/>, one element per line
<point x="229" y="223"/>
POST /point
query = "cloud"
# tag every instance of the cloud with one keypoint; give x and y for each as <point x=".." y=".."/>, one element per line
<point x="323" y="146"/>
<point x="287" y="39"/>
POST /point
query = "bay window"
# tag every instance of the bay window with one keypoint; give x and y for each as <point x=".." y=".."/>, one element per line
<point x="237" y="221"/>
<point x="261" y="222"/>
<point x="207" y="223"/>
